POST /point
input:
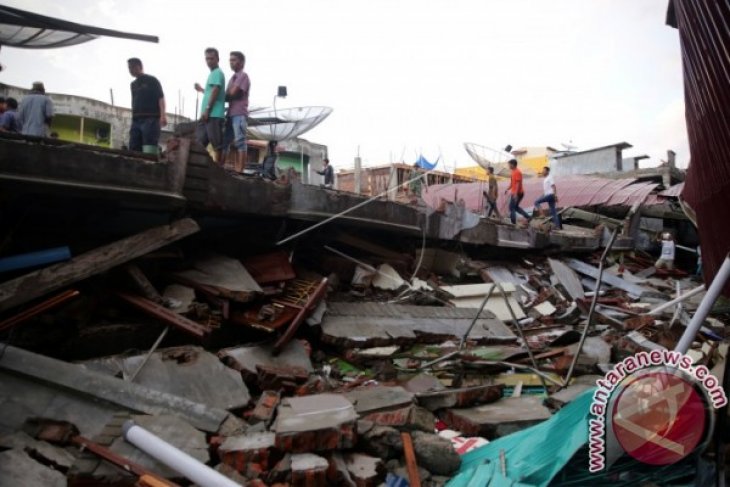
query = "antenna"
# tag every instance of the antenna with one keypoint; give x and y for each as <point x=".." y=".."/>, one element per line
<point x="486" y="156"/>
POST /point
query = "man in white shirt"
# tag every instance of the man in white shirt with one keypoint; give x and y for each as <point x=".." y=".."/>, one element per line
<point x="549" y="196"/>
<point x="666" y="259"/>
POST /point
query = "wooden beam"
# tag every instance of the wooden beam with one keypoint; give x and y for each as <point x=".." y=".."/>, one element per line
<point x="38" y="283"/>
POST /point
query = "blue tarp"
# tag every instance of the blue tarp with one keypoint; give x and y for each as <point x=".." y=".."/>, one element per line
<point x="423" y="163"/>
<point x="534" y="455"/>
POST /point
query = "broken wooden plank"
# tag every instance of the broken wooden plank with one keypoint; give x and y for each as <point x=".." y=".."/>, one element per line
<point x="270" y="268"/>
<point x="227" y="276"/>
<point x="305" y="310"/>
<point x="165" y="315"/>
<point x="38" y="309"/>
<point x="610" y="279"/>
<point x="35" y="284"/>
<point x="568" y="278"/>
<point x="414" y="480"/>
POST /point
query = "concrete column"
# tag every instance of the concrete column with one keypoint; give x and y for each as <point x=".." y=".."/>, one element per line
<point x="357" y="172"/>
<point x="671" y="165"/>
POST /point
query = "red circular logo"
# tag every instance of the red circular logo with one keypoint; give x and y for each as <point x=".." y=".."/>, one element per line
<point x="659" y="418"/>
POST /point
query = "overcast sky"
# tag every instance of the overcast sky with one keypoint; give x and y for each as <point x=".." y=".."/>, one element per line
<point x="402" y="76"/>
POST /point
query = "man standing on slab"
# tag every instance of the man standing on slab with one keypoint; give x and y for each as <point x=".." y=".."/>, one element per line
<point x="492" y="194"/>
<point x="213" y="107"/>
<point x="35" y="112"/>
<point x="148" y="109"/>
<point x="237" y="96"/>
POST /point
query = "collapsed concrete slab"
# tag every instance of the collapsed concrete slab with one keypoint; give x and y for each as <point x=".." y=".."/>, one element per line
<point x="17" y="468"/>
<point x="188" y="372"/>
<point x="497" y="419"/>
<point x="35" y="385"/>
<point x="360" y="325"/>
<point x="370" y="399"/>
<point x="318" y="422"/>
<point x="308" y="469"/>
<point x="251" y="361"/>
<point x="221" y="276"/>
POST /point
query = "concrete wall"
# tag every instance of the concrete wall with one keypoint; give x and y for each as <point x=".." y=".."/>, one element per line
<point x="607" y="159"/>
<point x="119" y="118"/>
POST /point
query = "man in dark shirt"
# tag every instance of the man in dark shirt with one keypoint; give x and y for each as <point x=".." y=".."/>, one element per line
<point x="328" y="173"/>
<point x="148" y="109"/>
<point x="8" y="121"/>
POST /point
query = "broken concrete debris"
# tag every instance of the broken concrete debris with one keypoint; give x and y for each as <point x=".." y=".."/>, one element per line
<point x="395" y="347"/>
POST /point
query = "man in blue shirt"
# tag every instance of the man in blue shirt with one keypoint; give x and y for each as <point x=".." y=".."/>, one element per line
<point x="35" y="112"/>
<point x="212" y="109"/>
<point x="8" y="122"/>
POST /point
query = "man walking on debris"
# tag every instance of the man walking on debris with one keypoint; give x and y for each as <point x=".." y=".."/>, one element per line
<point x="148" y="109"/>
<point x="213" y="110"/>
<point x="666" y="259"/>
<point x="516" y="193"/>
<point x="492" y="194"/>
<point x="237" y="96"/>
<point x="328" y="173"/>
<point x="549" y="196"/>
<point x="35" y="112"/>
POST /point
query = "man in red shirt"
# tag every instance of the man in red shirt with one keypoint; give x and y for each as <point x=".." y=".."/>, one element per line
<point x="516" y="193"/>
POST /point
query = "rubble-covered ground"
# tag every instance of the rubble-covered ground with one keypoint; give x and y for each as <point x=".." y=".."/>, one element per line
<point x="358" y="361"/>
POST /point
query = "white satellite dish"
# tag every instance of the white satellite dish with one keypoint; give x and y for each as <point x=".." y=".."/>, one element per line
<point x="486" y="156"/>
<point x="279" y="124"/>
<point x="569" y="146"/>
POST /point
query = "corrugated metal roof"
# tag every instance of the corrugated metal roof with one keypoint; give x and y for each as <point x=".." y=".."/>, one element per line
<point x="673" y="191"/>
<point x="573" y="191"/>
<point x="704" y="32"/>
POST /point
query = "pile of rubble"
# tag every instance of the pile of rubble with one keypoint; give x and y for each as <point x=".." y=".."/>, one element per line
<point x="366" y="366"/>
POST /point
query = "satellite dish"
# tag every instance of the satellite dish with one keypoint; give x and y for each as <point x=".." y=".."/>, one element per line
<point x="569" y="146"/>
<point x="486" y="156"/>
<point x="279" y="124"/>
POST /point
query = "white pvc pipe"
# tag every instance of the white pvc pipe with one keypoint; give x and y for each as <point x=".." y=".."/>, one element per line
<point x="705" y="306"/>
<point x="174" y="458"/>
<point x="683" y="297"/>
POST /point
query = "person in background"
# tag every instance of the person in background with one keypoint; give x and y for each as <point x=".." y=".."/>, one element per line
<point x="213" y="108"/>
<point x="8" y="120"/>
<point x="666" y="259"/>
<point x="148" y="108"/>
<point x="3" y="105"/>
<point x="492" y="193"/>
<point x="237" y="96"/>
<point x="35" y="112"/>
<point x="328" y="173"/>
<point x="549" y="196"/>
<point x="516" y="193"/>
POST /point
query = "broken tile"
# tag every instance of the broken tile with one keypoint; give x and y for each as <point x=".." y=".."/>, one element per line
<point x="497" y="419"/>
<point x="315" y="423"/>
<point x="545" y="308"/>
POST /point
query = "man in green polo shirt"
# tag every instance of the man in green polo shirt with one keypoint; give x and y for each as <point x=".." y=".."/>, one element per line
<point x="212" y="110"/>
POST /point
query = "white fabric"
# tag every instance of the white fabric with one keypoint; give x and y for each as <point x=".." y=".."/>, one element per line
<point x="547" y="184"/>
<point x="668" y="249"/>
